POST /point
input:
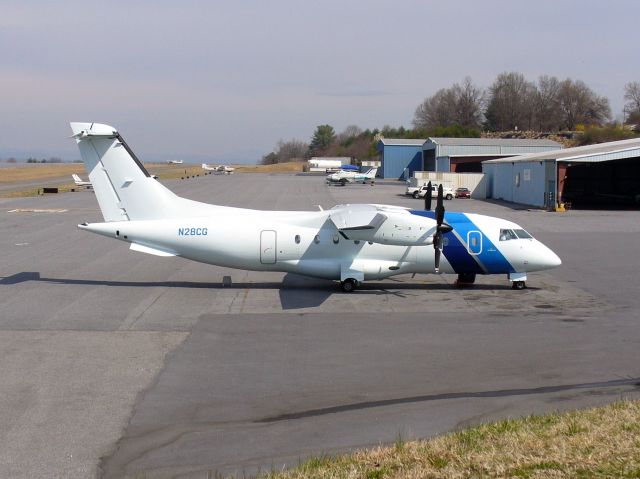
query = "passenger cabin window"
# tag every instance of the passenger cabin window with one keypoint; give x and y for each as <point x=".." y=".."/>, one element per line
<point x="316" y="239"/>
<point x="297" y="239"/>
<point x="522" y="234"/>
<point x="506" y="235"/>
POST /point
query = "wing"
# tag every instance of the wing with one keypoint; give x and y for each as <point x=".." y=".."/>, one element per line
<point x="357" y="217"/>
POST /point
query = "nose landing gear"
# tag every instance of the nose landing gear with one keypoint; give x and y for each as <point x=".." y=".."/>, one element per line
<point x="518" y="280"/>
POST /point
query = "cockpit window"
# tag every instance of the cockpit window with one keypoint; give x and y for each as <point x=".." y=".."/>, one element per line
<point x="506" y="235"/>
<point x="522" y="234"/>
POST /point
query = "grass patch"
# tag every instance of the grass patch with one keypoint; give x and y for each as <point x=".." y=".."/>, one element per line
<point x="597" y="442"/>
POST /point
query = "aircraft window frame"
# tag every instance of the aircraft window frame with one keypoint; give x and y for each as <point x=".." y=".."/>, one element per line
<point x="507" y="234"/>
<point x="297" y="239"/>
<point x="336" y="238"/>
<point x="522" y="234"/>
<point x="316" y="239"/>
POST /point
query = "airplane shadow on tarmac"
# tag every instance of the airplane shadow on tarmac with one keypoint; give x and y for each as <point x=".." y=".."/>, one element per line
<point x="295" y="291"/>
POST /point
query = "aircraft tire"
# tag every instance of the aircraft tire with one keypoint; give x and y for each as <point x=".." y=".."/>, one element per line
<point x="348" y="285"/>
<point x="343" y="182"/>
<point x="519" y="285"/>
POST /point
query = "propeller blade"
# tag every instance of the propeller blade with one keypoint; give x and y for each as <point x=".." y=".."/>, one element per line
<point x="437" y="260"/>
<point x="427" y="198"/>
<point x="439" y="207"/>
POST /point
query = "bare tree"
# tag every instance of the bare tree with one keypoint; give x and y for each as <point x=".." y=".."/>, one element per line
<point x="632" y="95"/>
<point x="511" y="103"/>
<point x="548" y="113"/>
<point x="580" y="104"/>
<point x="460" y="104"/>
<point x="291" y="150"/>
<point x="469" y="101"/>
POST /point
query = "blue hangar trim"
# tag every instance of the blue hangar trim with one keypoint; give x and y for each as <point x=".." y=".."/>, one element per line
<point x="457" y="251"/>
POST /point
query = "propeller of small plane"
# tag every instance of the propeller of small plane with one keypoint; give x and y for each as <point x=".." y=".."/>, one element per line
<point x="427" y="198"/>
<point x="441" y="226"/>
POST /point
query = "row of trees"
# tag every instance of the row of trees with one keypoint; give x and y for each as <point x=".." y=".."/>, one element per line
<point x="464" y="109"/>
<point x="513" y="102"/>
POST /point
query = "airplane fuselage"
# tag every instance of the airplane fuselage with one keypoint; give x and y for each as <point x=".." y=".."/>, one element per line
<point x="309" y="243"/>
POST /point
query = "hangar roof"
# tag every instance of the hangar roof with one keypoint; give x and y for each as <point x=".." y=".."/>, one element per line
<point x="493" y="142"/>
<point x="402" y="142"/>
<point x="613" y="150"/>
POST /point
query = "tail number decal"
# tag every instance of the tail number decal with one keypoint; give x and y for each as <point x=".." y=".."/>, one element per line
<point x="193" y="231"/>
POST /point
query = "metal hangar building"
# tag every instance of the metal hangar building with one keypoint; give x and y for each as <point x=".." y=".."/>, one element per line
<point x="400" y="157"/>
<point x="606" y="174"/>
<point x="465" y="155"/>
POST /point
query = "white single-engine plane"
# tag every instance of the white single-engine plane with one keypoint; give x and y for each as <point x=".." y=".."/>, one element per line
<point x="344" y="176"/>
<point x="349" y="243"/>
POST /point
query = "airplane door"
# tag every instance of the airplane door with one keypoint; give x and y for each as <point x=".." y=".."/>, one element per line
<point x="474" y="242"/>
<point x="268" y="247"/>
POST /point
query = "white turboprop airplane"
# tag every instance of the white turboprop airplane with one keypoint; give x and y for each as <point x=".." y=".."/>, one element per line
<point x="223" y="169"/>
<point x="343" y="176"/>
<point x="80" y="182"/>
<point x="350" y="243"/>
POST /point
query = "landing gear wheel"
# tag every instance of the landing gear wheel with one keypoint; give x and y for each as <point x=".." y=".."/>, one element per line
<point x="349" y="285"/>
<point x="518" y="285"/>
<point x="343" y="182"/>
<point x="465" y="279"/>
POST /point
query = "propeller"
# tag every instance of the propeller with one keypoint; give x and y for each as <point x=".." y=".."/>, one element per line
<point x="427" y="198"/>
<point x="441" y="227"/>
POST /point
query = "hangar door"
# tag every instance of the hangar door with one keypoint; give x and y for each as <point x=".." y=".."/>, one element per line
<point x="610" y="184"/>
<point x="268" y="247"/>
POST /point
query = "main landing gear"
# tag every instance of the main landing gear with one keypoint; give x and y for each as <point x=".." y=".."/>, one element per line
<point x="349" y="285"/>
<point x="518" y="285"/>
<point x="465" y="279"/>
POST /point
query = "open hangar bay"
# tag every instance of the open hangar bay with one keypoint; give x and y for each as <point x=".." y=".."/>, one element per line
<point x="120" y="364"/>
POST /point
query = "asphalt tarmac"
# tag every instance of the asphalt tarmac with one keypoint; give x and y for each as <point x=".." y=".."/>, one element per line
<point x="121" y="364"/>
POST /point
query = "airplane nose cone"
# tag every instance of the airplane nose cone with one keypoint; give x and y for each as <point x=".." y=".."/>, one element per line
<point x="554" y="260"/>
<point x="547" y="259"/>
<point x="540" y="258"/>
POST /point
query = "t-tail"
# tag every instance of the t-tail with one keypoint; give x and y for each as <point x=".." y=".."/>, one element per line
<point x="124" y="188"/>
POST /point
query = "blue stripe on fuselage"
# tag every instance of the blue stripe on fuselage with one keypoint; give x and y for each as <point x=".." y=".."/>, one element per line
<point x="489" y="261"/>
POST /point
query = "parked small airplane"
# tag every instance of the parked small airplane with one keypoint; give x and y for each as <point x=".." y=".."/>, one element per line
<point x="175" y="162"/>
<point x="222" y="169"/>
<point x="350" y="243"/>
<point x="80" y="182"/>
<point x="344" y="176"/>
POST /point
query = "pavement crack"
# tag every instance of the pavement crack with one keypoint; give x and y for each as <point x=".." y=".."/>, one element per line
<point x="454" y="395"/>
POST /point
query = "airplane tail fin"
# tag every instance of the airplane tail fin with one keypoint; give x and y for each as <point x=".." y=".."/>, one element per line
<point x="372" y="172"/>
<point x="76" y="178"/>
<point x="124" y="188"/>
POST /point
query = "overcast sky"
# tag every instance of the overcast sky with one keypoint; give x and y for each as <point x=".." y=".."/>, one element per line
<point x="225" y="81"/>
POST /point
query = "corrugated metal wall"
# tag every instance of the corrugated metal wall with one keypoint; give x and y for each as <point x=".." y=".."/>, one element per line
<point x="468" y="150"/>
<point x="520" y="182"/>
<point x="395" y="158"/>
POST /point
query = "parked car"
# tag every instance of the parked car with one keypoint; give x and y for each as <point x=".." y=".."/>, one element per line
<point x="421" y="192"/>
<point x="463" y="193"/>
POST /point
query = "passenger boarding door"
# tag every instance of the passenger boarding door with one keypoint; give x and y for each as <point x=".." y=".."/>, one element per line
<point x="474" y="242"/>
<point x="268" y="247"/>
